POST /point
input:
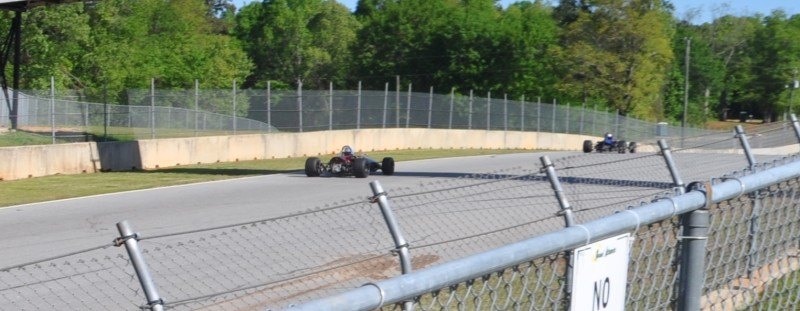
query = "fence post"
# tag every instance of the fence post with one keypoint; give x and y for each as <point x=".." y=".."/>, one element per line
<point x="408" y="106"/>
<point x="522" y="115"/>
<point x="358" y="107"/>
<point x="752" y="262"/>
<point x="234" y="106"/>
<point x="400" y="243"/>
<point x="131" y="241"/>
<point x="745" y="146"/>
<point x="269" y="106"/>
<point x="553" y="120"/>
<point x="469" y="122"/>
<point x="452" y="99"/>
<point x="152" y="108"/>
<point x="488" y="110"/>
<point x="330" y="105"/>
<point x="673" y="170"/>
<point x="505" y="112"/>
<point x="616" y="123"/>
<point x="566" y="130"/>
<point x="300" y="105"/>
<point x="538" y="113"/>
<point x="583" y="114"/>
<point x="795" y="125"/>
<point x="197" y="105"/>
<point x="397" y="102"/>
<point x="385" y="103"/>
<point x="53" y="109"/>
<point x="430" y="107"/>
<point x="566" y="211"/>
<point x="594" y="120"/>
<point x="106" y="118"/>
<point x="693" y="256"/>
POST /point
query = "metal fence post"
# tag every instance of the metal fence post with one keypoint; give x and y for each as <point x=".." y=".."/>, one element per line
<point x="751" y="160"/>
<point x="522" y="115"/>
<point x="234" y="106"/>
<point x="53" y="109"/>
<point x="583" y="114"/>
<point x="693" y="256"/>
<point x="300" y="105"/>
<point x="755" y="229"/>
<point x="616" y="123"/>
<point x="400" y="243"/>
<point x="469" y="115"/>
<point x="594" y="120"/>
<point x="566" y="211"/>
<point x="430" y="107"/>
<point x="408" y="106"/>
<point x="330" y="106"/>
<point x="553" y="121"/>
<point x="152" y="108"/>
<point x="358" y="107"/>
<point x="385" y="103"/>
<point x="452" y="100"/>
<point x="795" y="125"/>
<point x="673" y="169"/>
<point x="397" y="102"/>
<point x="488" y="110"/>
<point x="566" y="129"/>
<point x="197" y="105"/>
<point x="505" y="112"/>
<point x="131" y="242"/>
<point x="538" y="113"/>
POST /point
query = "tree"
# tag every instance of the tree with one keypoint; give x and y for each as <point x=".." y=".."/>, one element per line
<point x="297" y="39"/>
<point x="620" y="50"/>
<point x="776" y="59"/>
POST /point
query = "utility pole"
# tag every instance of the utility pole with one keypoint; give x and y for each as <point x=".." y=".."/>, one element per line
<point x="793" y="86"/>
<point x="686" y="87"/>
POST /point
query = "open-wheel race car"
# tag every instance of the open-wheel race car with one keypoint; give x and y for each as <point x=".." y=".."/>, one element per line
<point x="347" y="163"/>
<point x="609" y="144"/>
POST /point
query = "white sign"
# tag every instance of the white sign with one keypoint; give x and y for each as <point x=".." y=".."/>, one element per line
<point x="600" y="274"/>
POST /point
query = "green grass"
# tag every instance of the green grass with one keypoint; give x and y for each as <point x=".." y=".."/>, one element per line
<point x="19" y="138"/>
<point x="70" y="186"/>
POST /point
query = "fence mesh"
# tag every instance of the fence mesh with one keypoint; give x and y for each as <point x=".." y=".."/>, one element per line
<point x="185" y="113"/>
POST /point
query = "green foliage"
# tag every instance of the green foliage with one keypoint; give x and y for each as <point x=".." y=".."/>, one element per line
<point x="297" y="39"/>
<point x="623" y="54"/>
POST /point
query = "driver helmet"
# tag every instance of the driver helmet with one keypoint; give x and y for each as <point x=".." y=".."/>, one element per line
<point x="609" y="135"/>
<point x="347" y="151"/>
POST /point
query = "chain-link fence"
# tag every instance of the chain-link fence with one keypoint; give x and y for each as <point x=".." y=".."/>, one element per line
<point x="154" y="113"/>
<point x="273" y="262"/>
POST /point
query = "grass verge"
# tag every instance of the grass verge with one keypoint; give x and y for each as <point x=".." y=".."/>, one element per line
<point x="57" y="187"/>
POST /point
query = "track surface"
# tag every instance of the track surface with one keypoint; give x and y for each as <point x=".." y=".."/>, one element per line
<point x="35" y="231"/>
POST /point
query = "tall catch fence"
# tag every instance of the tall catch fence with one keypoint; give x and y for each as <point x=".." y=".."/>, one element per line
<point x="472" y="222"/>
<point x="154" y="113"/>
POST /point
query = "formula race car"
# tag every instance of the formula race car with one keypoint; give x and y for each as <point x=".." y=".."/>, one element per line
<point x="347" y="163"/>
<point x="609" y="144"/>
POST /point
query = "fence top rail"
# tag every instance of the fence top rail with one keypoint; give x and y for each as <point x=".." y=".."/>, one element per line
<point x="374" y="295"/>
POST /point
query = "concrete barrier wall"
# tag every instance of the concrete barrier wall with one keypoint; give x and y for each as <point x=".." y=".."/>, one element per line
<point x="34" y="161"/>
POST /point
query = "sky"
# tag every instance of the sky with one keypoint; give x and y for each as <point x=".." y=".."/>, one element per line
<point x="700" y="11"/>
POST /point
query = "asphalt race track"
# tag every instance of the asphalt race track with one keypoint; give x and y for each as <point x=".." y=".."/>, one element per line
<point x="35" y="231"/>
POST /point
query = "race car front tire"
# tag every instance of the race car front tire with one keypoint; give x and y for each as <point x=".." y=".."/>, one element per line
<point x="622" y="146"/>
<point x="632" y="147"/>
<point x="387" y="166"/>
<point x="313" y="167"/>
<point x="360" y="168"/>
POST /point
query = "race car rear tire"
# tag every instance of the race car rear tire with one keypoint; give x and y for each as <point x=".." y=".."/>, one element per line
<point x="360" y="168"/>
<point x="587" y="146"/>
<point x="387" y="166"/>
<point x="632" y="147"/>
<point x="313" y="167"/>
<point x="622" y="146"/>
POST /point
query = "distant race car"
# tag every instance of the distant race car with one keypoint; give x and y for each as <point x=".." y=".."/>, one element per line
<point x="348" y="163"/>
<point x="608" y="144"/>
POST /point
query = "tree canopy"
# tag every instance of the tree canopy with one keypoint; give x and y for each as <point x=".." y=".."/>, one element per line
<point x="621" y="54"/>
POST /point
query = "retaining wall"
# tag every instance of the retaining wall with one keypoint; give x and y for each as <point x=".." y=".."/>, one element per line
<point x="33" y="161"/>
